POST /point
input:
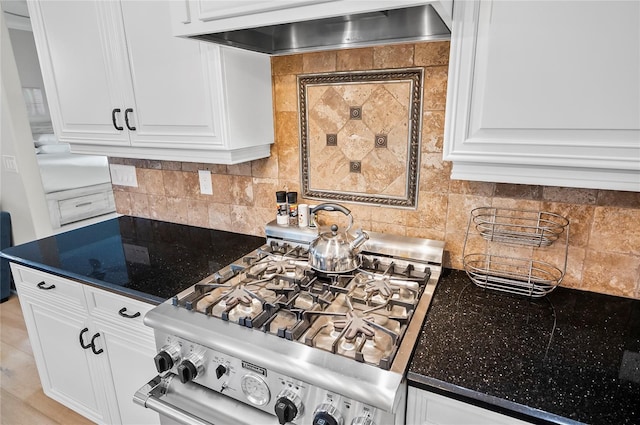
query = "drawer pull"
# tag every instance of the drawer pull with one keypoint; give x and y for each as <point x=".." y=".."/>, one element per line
<point x="42" y="284"/>
<point x="93" y="344"/>
<point x="126" y="118"/>
<point x="82" y="344"/>
<point x="128" y="316"/>
<point x="113" y="119"/>
<point x="84" y="204"/>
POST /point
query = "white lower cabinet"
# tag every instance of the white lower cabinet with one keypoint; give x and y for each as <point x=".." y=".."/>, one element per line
<point x="427" y="408"/>
<point x="90" y="346"/>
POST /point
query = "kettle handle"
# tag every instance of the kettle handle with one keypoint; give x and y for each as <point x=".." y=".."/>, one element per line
<point x="333" y="207"/>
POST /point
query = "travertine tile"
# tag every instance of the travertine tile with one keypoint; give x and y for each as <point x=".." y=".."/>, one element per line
<point x="434" y="173"/>
<point x="197" y="213"/>
<point x="555" y="255"/>
<point x="569" y="195"/>
<point x="288" y="145"/>
<point x="354" y="59"/>
<point x="580" y="219"/>
<point x="242" y="190"/>
<point x="611" y="273"/>
<point x="285" y="93"/>
<point x="432" y="131"/>
<point x="158" y="209"/>
<point x="472" y="188"/>
<point x="171" y="165"/>
<point x="432" y="53"/>
<point x="392" y="229"/>
<point x="431" y="212"/>
<point x="616" y="230"/>
<point x="283" y="65"/>
<point x="458" y="210"/>
<point x="519" y="191"/>
<point x="123" y="202"/>
<point x="267" y="167"/>
<point x="177" y="210"/>
<point x="425" y="233"/>
<point x="250" y="220"/>
<point x="516" y="203"/>
<point x="222" y="193"/>
<point x="455" y="246"/>
<point x="174" y="183"/>
<point x="393" y="56"/>
<point x="316" y="62"/>
<point x="150" y="181"/>
<point x="242" y="169"/>
<point x="220" y="217"/>
<point x="612" y="198"/>
<point x="139" y="205"/>
<point x="435" y="88"/>
<point x="264" y="193"/>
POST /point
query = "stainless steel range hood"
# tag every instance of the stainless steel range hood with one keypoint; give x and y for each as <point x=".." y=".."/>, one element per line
<point x="419" y="23"/>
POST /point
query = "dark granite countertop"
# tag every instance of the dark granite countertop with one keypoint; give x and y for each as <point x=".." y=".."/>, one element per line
<point x="571" y="357"/>
<point x="145" y="259"/>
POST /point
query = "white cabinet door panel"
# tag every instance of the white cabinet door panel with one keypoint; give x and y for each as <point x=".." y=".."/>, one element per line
<point x="131" y="365"/>
<point x="548" y="89"/>
<point x="172" y="92"/>
<point x="82" y="79"/>
<point x="64" y="366"/>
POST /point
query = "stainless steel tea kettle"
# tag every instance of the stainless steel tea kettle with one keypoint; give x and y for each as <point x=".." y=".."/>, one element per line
<point x="334" y="251"/>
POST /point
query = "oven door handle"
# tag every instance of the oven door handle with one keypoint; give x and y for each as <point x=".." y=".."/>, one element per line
<point x="149" y="397"/>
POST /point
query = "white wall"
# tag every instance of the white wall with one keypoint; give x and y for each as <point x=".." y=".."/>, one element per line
<point x="21" y="194"/>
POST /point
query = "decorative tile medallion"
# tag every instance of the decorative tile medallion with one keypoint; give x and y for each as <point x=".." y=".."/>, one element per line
<point x="389" y="114"/>
<point x="332" y="140"/>
<point x="381" y="141"/>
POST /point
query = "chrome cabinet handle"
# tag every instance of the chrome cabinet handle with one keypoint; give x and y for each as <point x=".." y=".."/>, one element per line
<point x="42" y="284"/>
<point x="93" y="344"/>
<point x="82" y="344"/>
<point x="113" y="119"/>
<point x="128" y="316"/>
<point x="126" y="118"/>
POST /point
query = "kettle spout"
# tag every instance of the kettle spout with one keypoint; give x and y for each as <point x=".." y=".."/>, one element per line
<point x="361" y="237"/>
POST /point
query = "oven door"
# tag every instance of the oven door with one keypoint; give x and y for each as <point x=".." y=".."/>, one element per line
<point x="192" y="404"/>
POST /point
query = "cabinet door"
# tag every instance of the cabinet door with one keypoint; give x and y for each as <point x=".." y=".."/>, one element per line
<point x="545" y="93"/>
<point x="130" y="362"/>
<point x="82" y="76"/>
<point x="174" y="83"/>
<point x="68" y="372"/>
<point x="425" y="408"/>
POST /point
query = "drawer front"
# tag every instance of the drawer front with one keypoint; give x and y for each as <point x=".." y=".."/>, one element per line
<point x="114" y="307"/>
<point x="44" y="286"/>
<point x="82" y="207"/>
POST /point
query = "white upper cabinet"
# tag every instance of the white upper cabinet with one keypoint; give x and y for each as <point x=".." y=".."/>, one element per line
<point x="120" y="84"/>
<point x="545" y="93"/>
<point x="191" y="17"/>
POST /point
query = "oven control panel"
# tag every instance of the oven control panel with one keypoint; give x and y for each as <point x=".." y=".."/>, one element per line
<point x="288" y="400"/>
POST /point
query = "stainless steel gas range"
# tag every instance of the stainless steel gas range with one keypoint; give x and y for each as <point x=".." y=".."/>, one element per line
<point x="269" y="340"/>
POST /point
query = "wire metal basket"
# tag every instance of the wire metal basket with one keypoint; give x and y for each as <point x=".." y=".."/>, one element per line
<point x="522" y="276"/>
<point x="521" y="227"/>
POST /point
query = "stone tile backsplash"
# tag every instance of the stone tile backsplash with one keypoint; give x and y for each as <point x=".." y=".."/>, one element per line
<point x="604" y="243"/>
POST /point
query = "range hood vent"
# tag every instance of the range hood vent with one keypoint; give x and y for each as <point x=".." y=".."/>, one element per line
<point x="420" y="23"/>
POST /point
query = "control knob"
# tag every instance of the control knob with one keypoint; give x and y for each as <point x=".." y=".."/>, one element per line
<point x="190" y="368"/>
<point x="327" y="414"/>
<point x="362" y="420"/>
<point x="167" y="357"/>
<point x="288" y="406"/>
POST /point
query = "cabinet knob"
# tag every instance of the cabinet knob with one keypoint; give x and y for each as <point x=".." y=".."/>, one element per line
<point x="93" y="344"/>
<point x="82" y="344"/>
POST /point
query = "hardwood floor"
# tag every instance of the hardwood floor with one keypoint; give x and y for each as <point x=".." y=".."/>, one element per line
<point x="22" y="401"/>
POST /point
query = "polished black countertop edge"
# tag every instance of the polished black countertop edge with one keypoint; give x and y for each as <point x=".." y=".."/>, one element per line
<point x="486" y="401"/>
<point x="117" y="289"/>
